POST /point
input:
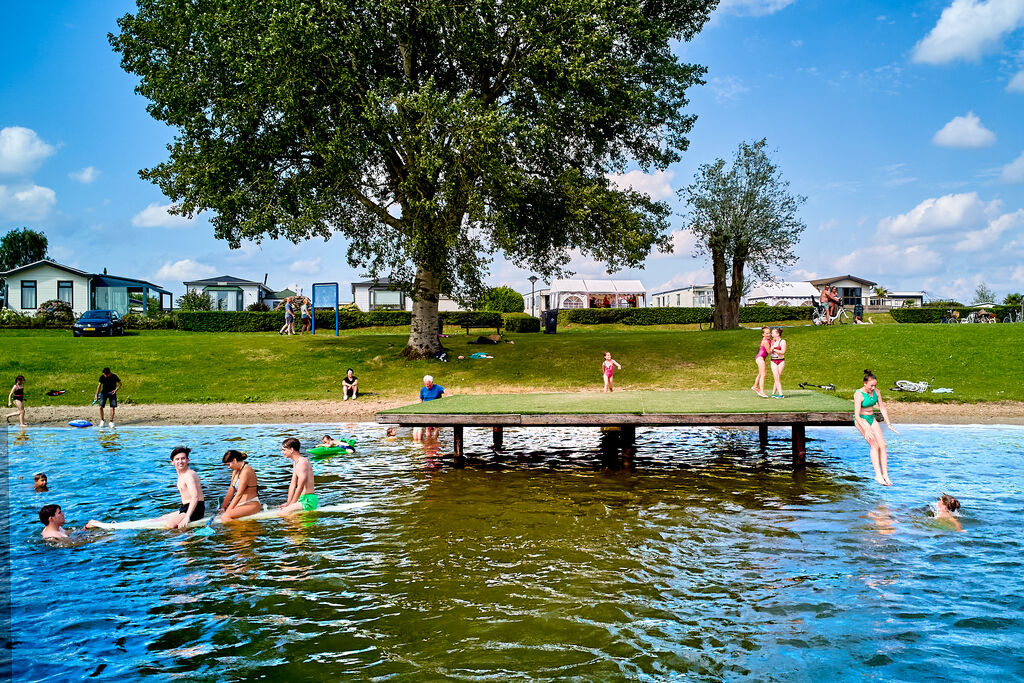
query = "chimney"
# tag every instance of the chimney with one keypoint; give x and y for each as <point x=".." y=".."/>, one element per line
<point x="104" y="271"/>
<point x="265" y="276"/>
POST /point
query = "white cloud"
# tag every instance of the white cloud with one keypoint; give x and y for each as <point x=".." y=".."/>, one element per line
<point x="1013" y="172"/>
<point x="683" y="243"/>
<point x="914" y="259"/>
<point x="26" y="202"/>
<point x="1016" y="83"/>
<point x="826" y="226"/>
<point x="968" y="28"/>
<point x="22" y="151"/>
<point x="727" y="88"/>
<point x="184" y="270"/>
<point x="753" y="8"/>
<point x="157" y="216"/>
<point x="308" y="267"/>
<point x="965" y="132"/>
<point x="936" y="216"/>
<point x="86" y="175"/>
<point x="803" y="274"/>
<point x="976" y="240"/>
<point x="701" y="276"/>
<point x="657" y="185"/>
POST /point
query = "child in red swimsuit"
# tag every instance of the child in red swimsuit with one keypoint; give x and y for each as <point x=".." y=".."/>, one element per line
<point x="608" y="370"/>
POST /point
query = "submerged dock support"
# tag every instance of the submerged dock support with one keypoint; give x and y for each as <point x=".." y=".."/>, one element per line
<point x="799" y="446"/>
<point x="457" y="441"/>
<point x="762" y="435"/>
<point x="627" y="436"/>
<point x="498" y="434"/>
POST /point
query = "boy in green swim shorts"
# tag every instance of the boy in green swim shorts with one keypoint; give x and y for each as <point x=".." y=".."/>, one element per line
<point x="300" y="490"/>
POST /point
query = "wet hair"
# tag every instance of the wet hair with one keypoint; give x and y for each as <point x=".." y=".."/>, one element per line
<point x="39" y="475"/>
<point x="327" y="436"/>
<point x="869" y="375"/>
<point x="47" y="512"/>
<point x="106" y="371"/>
<point x="951" y="503"/>
<point x="19" y="379"/>
<point x="292" y="443"/>
<point x="181" y="449"/>
<point x="234" y="455"/>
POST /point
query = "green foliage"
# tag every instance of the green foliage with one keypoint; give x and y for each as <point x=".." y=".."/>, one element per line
<point x="521" y="322"/>
<point x="501" y="299"/>
<point x="383" y="318"/>
<point x="677" y="315"/>
<point x="56" y="311"/>
<point x="943" y="303"/>
<point x="473" y="318"/>
<point x="272" y="321"/>
<point x="9" y="318"/>
<point x="743" y="217"/>
<point x="931" y="314"/>
<point x="1014" y="299"/>
<point x="159" y="321"/>
<point x="21" y="247"/>
<point x="983" y="295"/>
<point x="195" y="300"/>
<point x="258" y="306"/>
<point x="428" y="134"/>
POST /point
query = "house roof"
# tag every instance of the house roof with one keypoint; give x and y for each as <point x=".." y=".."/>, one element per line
<point x="118" y="281"/>
<point x="379" y="282"/>
<point x="784" y="290"/>
<point x="906" y="295"/>
<point x="283" y="294"/>
<point x="681" y="289"/>
<point x="598" y="286"/>
<point x="224" y="281"/>
<point x="47" y="262"/>
<point x="830" y="280"/>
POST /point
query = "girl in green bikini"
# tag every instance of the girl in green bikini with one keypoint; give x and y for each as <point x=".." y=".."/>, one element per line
<point x="864" y="402"/>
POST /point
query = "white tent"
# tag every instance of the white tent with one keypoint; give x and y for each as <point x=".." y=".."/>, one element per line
<point x="578" y="293"/>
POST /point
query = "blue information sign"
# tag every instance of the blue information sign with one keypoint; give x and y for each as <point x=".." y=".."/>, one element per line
<point x="325" y="295"/>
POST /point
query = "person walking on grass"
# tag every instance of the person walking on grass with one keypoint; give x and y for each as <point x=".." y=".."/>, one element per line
<point x="864" y="402"/>
<point x="106" y="392"/>
<point x="307" y="321"/>
<point x="762" y="353"/>
<point x="777" y="352"/>
<point x="608" y="371"/>
<point x="17" y="399"/>
<point x="289" y="318"/>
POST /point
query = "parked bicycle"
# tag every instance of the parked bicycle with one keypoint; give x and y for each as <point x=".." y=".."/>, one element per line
<point x="821" y="316"/>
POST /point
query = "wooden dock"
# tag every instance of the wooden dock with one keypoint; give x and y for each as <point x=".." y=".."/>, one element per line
<point x="628" y="410"/>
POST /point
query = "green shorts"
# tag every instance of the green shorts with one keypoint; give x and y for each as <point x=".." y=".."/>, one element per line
<point x="309" y="501"/>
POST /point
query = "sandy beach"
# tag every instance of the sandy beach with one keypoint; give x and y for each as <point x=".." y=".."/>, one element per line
<point x="365" y="409"/>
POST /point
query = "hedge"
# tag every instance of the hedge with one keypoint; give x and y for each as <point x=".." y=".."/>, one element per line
<point x="138" y="321"/>
<point x="930" y="314"/>
<point x="473" y="318"/>
<point x="521" y="322"/>
<point x="677" y="316"/>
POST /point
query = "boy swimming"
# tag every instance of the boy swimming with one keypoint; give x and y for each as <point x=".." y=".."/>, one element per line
<point x="52" y="518"/>
<point x="300" y="490"/>
<point x="944" y="509"/>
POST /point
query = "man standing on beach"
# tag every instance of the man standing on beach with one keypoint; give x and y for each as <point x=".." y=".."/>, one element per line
<point x="106" y="391"/>
<point x="300" y="490"/>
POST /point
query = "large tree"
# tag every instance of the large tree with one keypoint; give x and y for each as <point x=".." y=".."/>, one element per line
<point x="743" y="217"/>
<point x="21" y="247"/>
<point x="430" y="134"/>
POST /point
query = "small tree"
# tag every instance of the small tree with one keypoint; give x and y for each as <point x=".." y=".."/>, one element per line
<point x="501" y="299"/>
<point x="983" y="295"/>
<point x="194" y="300"/>
<point x="258" y="306"/>
<point x="21" y="247"/>
<point x="742" y="216"/>
<point x="1014" y="299"/>
<point x="881" y="292"/>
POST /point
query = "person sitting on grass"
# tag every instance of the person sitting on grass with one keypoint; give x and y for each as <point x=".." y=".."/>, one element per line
<point x="945" y="508"/>
<point x="301" y="487"/>
<point x="52" y="518"/>
<point x="350" y="384"/>
<point x="857" y="321"/>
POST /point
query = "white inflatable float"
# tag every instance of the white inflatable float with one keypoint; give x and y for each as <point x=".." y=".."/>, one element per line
<point x="268" y="513"/>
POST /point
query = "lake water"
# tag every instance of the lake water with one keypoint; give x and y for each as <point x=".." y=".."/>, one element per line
<point x="708" y="560"/>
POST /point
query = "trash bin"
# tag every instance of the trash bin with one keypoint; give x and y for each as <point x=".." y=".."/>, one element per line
<point x="549" y="320"/>
<point x="858" y="311"/>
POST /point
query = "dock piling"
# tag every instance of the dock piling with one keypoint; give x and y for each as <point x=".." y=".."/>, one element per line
<point x="762" y="435"/>
<point x="498" y="434"/>
<point x="457" y="441"/>
<point x="799" y="446"/>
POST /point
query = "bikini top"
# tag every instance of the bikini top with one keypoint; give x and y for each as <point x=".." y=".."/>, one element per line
<point x="238" y="477"/>
<point x="869" y="399"/>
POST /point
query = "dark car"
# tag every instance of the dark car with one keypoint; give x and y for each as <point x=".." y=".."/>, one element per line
<point x="106" y="323"/>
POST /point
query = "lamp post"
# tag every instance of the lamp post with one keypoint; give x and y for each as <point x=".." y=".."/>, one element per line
<point x="533" y="281"/>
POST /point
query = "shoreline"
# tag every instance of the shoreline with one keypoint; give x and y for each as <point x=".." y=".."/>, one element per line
<point x="365" y="410"/>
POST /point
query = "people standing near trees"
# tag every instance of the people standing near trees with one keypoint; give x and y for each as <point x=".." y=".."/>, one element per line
<point x="762" y="353"/>
<point x="307" y="321"/>
<point x="16" y="399"/>
<point x="350" y="384"/>
<point x="106" y="391"/>
<point x="777" y="351"/>
<point x="608" y="371"/>
<point x="864" y="402"/>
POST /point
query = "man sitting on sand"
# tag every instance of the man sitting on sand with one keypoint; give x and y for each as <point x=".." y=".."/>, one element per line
<point x="52" y="518"/>
<point x="300" y="490"/>
<point x="193" y="505"/>
<point x="944" y="509"/>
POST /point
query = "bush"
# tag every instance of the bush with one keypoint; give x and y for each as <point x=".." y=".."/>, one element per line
<point x="56" y="312"/>
<point x="501" y="299"/>
<point x="677" y="316"/>
<point x="930" y="314"/>
<point x="9" y="318"/>
<point x="258" y="306"/>
<point x="383" y="318"/>
<point x="473" y="318"/>
<point x="194" y="300"/>
<point x="137" y="321"/>
<point x="521" y="322"/>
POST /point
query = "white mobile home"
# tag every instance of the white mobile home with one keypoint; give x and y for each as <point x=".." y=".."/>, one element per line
<point x="694" y="296"/>
<point x="384" y="295"/>
<point x="231" y="293"/>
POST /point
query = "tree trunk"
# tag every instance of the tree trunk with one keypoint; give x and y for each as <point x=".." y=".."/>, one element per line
<point x="423" y="339"/>
<point x="731" y="314"/>
<point x="720" y="289"/>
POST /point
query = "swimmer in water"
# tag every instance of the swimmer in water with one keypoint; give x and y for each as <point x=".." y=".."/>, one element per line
<point x="944" y="509"/>
<point x="193" y="505"/>
<point x="52" y="518"/>
<point x="391" y="434"/>
<point x="242" y="497"/>
<point x="300" y="490"/>
<point x="329" y="442"/>
<point x="39" y="481"/>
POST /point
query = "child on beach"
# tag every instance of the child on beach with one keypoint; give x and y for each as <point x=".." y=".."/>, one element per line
<point x="17" y="399"/>
<point x="608" y="371"/>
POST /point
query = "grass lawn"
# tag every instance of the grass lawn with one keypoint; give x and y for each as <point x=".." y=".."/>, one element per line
<point x="979" y="362"/>
<point x="629" y="403"/>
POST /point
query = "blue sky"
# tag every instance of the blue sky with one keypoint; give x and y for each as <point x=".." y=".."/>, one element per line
<point x="901" y="123"/>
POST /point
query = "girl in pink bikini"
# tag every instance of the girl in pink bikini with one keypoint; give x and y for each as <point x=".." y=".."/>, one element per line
<point x="608" y="370"/>
<point x="762" y="354"/>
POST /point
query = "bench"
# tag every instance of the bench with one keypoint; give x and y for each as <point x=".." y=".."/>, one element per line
<point x="469" y="326"/>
